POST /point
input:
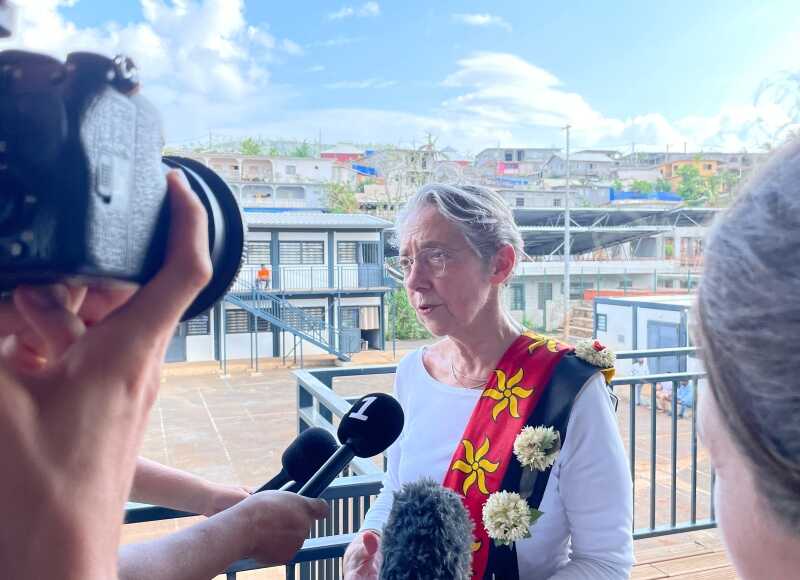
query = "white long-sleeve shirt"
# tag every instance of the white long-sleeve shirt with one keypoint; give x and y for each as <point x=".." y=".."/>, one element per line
<point x="585" y="532"/>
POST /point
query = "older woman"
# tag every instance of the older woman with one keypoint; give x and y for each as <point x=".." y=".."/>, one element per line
<point x="469" y="396"/>
<point x="749" y="319"/>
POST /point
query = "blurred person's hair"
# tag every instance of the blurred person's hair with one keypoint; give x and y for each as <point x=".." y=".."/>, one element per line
<point x="748" y="316"/>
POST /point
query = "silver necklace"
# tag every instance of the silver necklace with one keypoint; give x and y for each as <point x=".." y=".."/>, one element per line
<point x="461" y="377"/>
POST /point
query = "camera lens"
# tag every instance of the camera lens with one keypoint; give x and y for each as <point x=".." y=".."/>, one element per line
<point x="225" y="230"/>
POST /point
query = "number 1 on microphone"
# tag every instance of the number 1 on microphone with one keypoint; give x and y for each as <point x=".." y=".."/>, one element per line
<point x="360" y="413"/>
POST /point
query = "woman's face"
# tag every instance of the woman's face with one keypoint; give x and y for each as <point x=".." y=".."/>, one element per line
<point x="451" y="301"/>
<point x="750" y="532"/>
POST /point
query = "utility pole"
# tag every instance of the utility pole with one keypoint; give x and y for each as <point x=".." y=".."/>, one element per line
<point x="567" y="245"/>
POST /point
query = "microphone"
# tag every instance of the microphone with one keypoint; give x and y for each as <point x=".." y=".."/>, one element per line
<point x="428" y="535"/>
<point x="304" y="456"/>
<point x="369" y="427"/>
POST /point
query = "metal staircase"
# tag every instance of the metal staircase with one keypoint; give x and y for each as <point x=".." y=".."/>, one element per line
<point x="281" y="314"/>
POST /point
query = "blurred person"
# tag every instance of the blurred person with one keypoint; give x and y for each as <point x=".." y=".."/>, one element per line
<point x="465" y="394"/>
<point x="638" y="369"/>
<point x="263" y="275"/>
<point x="80" y="369"/>
<point x="748" y="321"/>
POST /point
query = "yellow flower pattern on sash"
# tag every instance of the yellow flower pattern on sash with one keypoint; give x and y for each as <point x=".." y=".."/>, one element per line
<point x="475" y="466"/>
<point x="476" y="545"/>
<point x="506" y="394"/>
<point x="540" y="340"/>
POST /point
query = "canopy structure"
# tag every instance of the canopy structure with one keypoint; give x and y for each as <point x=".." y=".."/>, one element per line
<point x="598" y="227"/>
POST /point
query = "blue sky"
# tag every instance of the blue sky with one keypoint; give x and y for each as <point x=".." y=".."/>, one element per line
<point x="474" y="74"/>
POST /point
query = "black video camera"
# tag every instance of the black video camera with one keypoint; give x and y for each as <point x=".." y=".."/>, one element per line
<point x="82" y="180"/>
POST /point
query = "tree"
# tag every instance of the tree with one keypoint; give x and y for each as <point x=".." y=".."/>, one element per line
<point x="641" y="186"/>
<point x="663" y="184"/>
<point x="302" y="150"/>
<point x="341" y="199"/>
<point x="692" y="188"/>
<point x="250" y="146"/>
<point x="617" y="185"/>
<point x="407" y="326"/>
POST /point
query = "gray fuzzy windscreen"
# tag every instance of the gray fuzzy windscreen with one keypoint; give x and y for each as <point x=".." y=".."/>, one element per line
<point x="428" y="536"/>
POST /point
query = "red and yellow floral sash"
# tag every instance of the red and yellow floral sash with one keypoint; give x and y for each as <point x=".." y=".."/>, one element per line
<point x="510" y="396"/>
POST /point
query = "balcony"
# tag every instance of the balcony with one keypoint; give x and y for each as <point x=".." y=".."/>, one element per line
<point x="673" y="480"/>
<point x="341" y="278"/>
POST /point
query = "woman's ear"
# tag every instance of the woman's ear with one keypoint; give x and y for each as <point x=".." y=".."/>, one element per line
<point x="503" y="264"/>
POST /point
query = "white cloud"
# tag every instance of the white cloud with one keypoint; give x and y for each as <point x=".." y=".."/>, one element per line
<point x="337" y="41"/>
<point x="207" y="69"/>
<point x="365" y="10"/>
<point x="371" y="83"/>
<point x="482" y="20"/>
<point x="200" y="62"/>
<point x="291" y="47"/>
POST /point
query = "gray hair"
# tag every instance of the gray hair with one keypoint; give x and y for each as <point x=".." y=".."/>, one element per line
<point x="749" y="319"/>
<point x="482" y="215"/>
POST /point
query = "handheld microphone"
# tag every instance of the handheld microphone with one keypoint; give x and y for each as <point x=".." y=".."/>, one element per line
<point x="428" y="535"/>
<point x="304" y="456"/>
<point x="369" y="427"/>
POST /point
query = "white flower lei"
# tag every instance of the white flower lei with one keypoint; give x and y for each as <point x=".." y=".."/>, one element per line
<point x="595" y="353"/>
<point x="508" y="518"/>
<point x="537" y="447"/>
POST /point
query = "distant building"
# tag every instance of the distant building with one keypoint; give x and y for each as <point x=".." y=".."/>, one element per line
<point x="515" y="155"/>
<point x="581" y="165"/>
<point x="671" y="170"/>
<point x="343" y="153"/>
<point x="277" y="182"/>
<point x="326" y="293"/>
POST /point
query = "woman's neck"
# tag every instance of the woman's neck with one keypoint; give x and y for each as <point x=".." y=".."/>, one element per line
<point x="476" y="353"/>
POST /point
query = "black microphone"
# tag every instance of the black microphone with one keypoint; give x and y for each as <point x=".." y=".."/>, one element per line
<point x="369" y="427"/>
<point x="304" y="456"/>
<point x="428" y="535"/>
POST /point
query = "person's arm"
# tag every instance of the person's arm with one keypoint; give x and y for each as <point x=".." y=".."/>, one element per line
<point x="595" y="489"/>
<point x="362" y="559"/>
<point x="165" y="486"/>
<point x="268" y="526"/>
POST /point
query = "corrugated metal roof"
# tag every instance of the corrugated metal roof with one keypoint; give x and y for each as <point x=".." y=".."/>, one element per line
<point x="315" y="220"/>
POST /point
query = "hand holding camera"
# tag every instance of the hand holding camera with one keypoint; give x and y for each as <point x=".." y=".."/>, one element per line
<point x="72" y="431"/>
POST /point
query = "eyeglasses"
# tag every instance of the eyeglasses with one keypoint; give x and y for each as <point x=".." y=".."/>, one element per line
<point x="434" y="260"/>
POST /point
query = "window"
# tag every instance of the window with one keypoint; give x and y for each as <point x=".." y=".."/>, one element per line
<point x="199" y="325"/>
<point x="346" y="252"/>
<point x="509" y="156"/>
<point x="624" y="284"/>
<point x="348" y="317"/>
<point x="258" y="252"/>
<point x="602" y="323"/>
<point x="294" y="253"/>
<point x="520" y="202"/>
<point x="263" y="325"/>
<point x="557" y="202"/>
<point x="707" y="167"/>
<point x="668" y="283"/>
<point x="520" y="154"/>
<point x="578" y="287"/>
<point x="313" y="319"/>
<point x="517" y="297"/>
<point x="236" y="321"/>
<point x="291" y="170"/>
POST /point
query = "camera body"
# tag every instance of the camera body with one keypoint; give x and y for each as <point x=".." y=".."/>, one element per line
<point x="83" y="190"/>
<point x="82" y="186"/>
